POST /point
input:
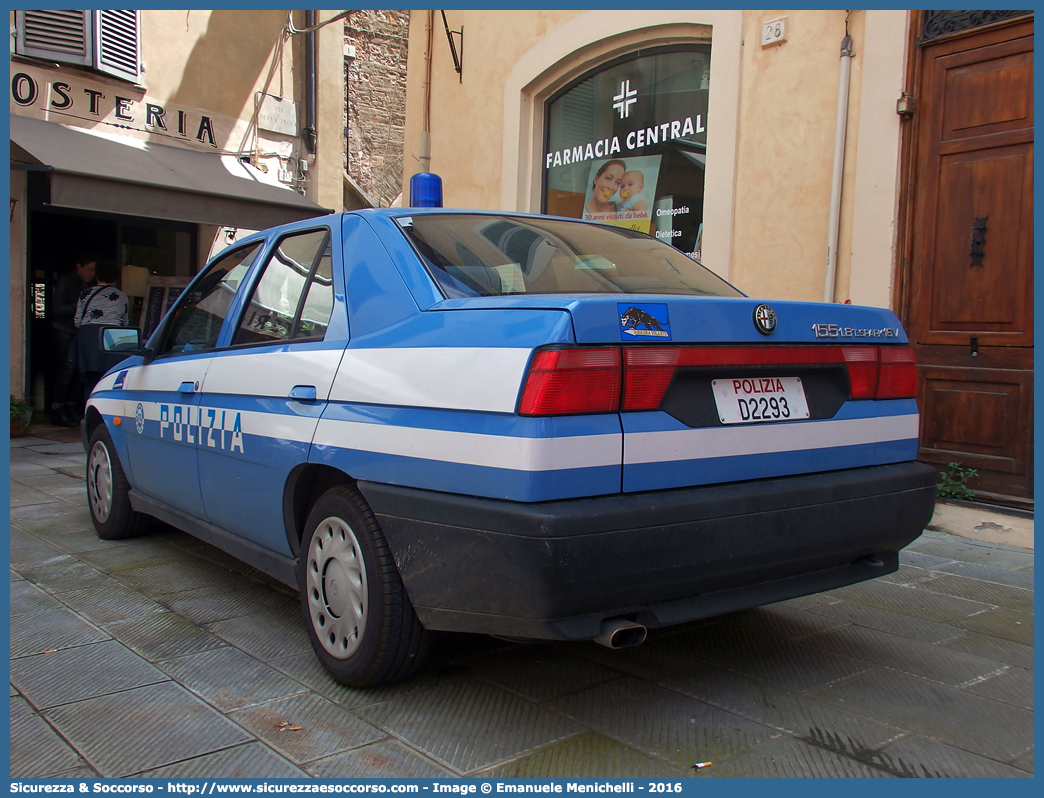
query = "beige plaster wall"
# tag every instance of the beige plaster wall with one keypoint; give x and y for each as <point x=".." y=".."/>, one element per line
<point x="771" y="129"/>
<point x="788" y="112"/>
<point x="466" y="116"/>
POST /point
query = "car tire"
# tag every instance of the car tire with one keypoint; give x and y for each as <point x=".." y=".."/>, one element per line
<point x="360" y="620"/>
<point x="108" y="492"/>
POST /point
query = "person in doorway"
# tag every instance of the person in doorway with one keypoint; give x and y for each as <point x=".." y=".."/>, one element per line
<point x="64" y="399"/>
<point x="605" y="184"/>
<point x="104" y="305"/>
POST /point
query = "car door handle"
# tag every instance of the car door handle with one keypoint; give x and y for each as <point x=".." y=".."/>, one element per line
<point x="303" y="393"/>
<point x="187" y="387"/>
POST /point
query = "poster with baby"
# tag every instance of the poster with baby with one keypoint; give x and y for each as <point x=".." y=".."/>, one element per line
<point x="620" y="191"/>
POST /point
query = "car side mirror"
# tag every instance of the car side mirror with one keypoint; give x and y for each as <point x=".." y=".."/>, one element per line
<point x="121" y="340"/>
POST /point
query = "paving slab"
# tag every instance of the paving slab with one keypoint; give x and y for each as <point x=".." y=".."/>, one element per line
<point x="826" y="726"/>
<point x="263" y="637"/>
<point x="383" y="759"/>
<point x="247" y="761"/>
<point x="62" y="574"/>
<point x="73" y="674"/>
<point x="306" y="727"/>
<point x="906" y="655"/>
<point x="233" y="598"/>
<point x="229" y="679"/>
<point x="1005" y="651"/>
<point x="28" y="599"/>
<point x="963" y="720"/>
<point x="52" y="479"/>
<point x="977" y="590"/>
<point x="29" y="551"/>
<point x="22" y="496"/>
<point x="57" y="518"/>
<point x="972" y="551"/>
<point x="163" y="635"/>
<point x="85" y="540"/>
<point x="468" y="725"/>
<point x="666" y="725"/>
<point x="587" y="756"/>
<point x="1012" y="686"/>
<point x="109" y="603"/>
<point x="539" y="672"/>
<point x="892" y="622"/>
<point x="1023" y="577"/>
<point x="791" y="758"/>
<point x="910" y="600"/>
<point x="172" y="576"/>
<point x="1007" y="624"/>
<point x="36" y="633"/>
<point x="767" y="658"/>
<point x="788" y="623"/>
<point x="144" y="728"/>
<point x="920" y="757"/>
<point x="307" y="670"/>
<point x="1024" y="762"/>
<point x="36" y="749"/>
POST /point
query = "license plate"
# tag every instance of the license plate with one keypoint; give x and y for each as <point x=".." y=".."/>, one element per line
<point x="752" y="399"/>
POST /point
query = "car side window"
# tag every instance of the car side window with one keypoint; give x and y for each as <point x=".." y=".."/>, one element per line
<point x="199" y="314"/>
<point x="294" y="297"/>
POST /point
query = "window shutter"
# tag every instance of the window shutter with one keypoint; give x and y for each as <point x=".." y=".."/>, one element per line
<point x="55" y="35"/>
<point x="117" y="50"/>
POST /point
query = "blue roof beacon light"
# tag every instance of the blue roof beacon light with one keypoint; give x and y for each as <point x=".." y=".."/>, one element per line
<point x="425" y="190"/>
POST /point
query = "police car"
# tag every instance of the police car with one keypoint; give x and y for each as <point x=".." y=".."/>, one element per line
<point x="531" y="427"/>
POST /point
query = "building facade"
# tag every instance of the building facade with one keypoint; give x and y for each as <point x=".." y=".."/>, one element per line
<point x="787" y="151"/>
<point x="156" y="138"/>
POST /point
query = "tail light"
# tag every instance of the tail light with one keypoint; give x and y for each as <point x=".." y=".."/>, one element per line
<point x="564" y="382"/>
<point x="862" y="370"/>
<point x="591" y="380"/>
<point x="648" y="372"/>
<point x="898" y="378"/>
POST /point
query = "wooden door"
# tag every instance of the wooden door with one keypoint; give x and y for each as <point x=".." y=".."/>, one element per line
<point x="970" y="311"/>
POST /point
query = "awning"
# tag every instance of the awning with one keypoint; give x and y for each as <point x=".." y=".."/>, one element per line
<point x="115" y="174"/>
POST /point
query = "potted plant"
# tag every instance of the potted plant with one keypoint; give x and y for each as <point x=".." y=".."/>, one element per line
<point x="21" y="413"/>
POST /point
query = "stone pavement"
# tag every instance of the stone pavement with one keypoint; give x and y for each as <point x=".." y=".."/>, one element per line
<point x="163" y="657"/>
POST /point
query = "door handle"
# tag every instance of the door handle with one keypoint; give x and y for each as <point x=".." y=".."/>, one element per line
<point x="187" y="387"/>
<point x="303" y="393"/>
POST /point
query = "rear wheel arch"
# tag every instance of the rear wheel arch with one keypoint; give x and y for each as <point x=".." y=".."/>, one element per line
<point x="305" y="485"/>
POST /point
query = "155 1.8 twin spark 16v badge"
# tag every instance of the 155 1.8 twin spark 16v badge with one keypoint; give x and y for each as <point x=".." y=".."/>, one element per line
<point x="506" y="424"/>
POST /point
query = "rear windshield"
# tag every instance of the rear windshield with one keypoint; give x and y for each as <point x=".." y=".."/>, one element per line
<point x="481" y="255"/>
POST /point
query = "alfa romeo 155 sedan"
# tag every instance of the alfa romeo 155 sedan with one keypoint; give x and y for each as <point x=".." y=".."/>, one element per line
<point x="506" y="424"/>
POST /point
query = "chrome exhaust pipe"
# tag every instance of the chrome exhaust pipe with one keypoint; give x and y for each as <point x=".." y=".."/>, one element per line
<point x="621" y="633"/>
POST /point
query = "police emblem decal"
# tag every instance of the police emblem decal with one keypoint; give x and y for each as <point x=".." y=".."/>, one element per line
<point x="765" y="319"/>
<point x="139" y="418"/>
<point x="643" y="321"/>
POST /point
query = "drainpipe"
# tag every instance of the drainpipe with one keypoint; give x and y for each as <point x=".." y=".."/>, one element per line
<point x="839" y="168"/>
<point x="425" y="137"/>
<point x="309" y="132"/>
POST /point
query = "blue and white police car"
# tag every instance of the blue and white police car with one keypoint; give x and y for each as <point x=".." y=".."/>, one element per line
<point x="525" y="426"/>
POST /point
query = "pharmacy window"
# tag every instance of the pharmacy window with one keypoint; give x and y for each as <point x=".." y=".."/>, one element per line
<point x="627" y="143"/>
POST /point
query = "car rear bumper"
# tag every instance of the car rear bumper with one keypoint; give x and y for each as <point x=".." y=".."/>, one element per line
<point x="557" y="570"/>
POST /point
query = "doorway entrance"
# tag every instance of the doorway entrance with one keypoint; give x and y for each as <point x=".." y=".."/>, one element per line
<point x="969" y="253"/>
<point x="54" y="241"/>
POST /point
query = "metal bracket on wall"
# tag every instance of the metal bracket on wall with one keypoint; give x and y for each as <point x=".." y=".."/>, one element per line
<point x="458" y="62"/>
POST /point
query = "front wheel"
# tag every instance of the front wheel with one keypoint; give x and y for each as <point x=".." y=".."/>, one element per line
<point x="360" y="620"/>
<point x="108" y="492"/>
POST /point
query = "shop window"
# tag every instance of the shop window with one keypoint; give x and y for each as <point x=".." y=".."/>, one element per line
<point x="294" y="297"/>
<point x="627" y="145"/>
<point x="107" y="41"/>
